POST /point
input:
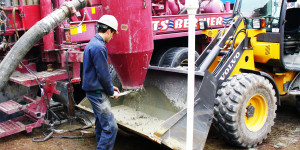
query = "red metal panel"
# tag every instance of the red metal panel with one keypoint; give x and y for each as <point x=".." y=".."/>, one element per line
<point x="83" y="33"/>
<point x="94" y="2"/>
<point x="76" y="73"/>
<point x="173" y="35"/>
<point x="31" y="15"/>
<point x="18" y="19"/>
<point x="38" y="123"/>
<point x="179" y="23"/>
<point x="22" y="69"/>
<point x="25" y="18"/>
<point x="10" y="107"/>
<point x="74" y="18"/>
<point x="74" y="56"/>
<point x="130" y="50"/>
<point x="10" y="127"/>
<point x="94" y="12"/>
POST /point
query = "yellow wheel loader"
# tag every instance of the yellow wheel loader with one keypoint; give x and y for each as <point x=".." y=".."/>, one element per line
<point x="255" y="61"/>
<point x="240" y="77"/>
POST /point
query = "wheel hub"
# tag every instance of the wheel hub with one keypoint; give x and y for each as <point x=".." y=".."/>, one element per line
<point x="250" y="111"/>
<point x="256" y="112"/>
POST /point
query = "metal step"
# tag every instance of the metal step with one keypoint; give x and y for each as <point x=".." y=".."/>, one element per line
<point x="10" y="127"/>
<point x="28" y="79"/>
<point x="10" y="107"/>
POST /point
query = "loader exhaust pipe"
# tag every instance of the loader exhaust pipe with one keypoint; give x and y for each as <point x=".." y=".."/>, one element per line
<point x="33" y="35"/>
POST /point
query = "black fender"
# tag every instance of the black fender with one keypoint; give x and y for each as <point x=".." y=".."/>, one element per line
<point x="267" y="76"/>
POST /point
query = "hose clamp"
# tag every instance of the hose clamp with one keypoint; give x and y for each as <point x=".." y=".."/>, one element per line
<point x="71" y="7"/>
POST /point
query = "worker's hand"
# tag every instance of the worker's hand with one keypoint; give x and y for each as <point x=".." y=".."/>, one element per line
<point x="116" y="89"/>
<point x="116" y="95"/>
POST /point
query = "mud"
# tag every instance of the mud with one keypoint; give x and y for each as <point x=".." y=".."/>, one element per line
<point x="285" y="135"/>
<point x="150" y="101"/>
<point x="137" y="120"/>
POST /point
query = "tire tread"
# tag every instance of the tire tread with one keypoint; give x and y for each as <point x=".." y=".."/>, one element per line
<point x="229" y="100"/>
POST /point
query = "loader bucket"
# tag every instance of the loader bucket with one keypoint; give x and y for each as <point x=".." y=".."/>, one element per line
<point x="158" y="112"/>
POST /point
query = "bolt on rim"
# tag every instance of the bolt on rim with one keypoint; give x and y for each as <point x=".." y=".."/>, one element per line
<point x="256" y="112"/>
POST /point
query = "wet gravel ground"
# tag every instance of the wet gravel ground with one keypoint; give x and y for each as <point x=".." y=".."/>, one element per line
<point x="285" y="135"/>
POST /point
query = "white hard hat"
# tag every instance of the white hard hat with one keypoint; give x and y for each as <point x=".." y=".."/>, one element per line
<point x="110" y="21"/>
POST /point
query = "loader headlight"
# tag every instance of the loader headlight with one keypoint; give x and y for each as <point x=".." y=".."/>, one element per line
<point x="258" y="23"/>
<point x="203" y="25"/>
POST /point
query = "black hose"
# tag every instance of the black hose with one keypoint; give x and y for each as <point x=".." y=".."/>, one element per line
<point x="50" y="135"/>
<point x="72" y="137"/>
<point x="43" y="139"/>
<point x="229" y="52"/>
<point x="234" y="39"/>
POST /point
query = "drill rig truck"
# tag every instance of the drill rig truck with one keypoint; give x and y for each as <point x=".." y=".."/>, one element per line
<point x="244" y="61"/>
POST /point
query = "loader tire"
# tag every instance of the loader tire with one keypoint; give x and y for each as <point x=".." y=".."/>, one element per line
<point x="174" y="57"/>
<point x="245" y="109"/>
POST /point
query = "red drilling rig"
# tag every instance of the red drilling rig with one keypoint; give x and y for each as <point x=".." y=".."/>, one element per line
<point x="42" y="43"/>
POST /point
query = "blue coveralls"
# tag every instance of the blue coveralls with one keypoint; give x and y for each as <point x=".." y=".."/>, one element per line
<point x="97" y="83"/>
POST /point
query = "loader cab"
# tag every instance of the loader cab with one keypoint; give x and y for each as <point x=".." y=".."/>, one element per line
<point x="282" y="26"/>
<point x="251" y="10"/>
<point x="291" y="35"/>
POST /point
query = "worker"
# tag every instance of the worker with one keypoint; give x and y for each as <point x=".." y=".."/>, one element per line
<point x="97" y="82"/>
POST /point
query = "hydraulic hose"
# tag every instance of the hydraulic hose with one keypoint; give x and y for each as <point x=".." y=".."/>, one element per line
<point x="33" y="35"/>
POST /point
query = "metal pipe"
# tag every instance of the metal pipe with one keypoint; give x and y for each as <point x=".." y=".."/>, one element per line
<point x="227" y="6"/>
<point x="210" y="57"/>
<point x="191" y="6"/>
<point x="33" y="35"/>
<point x="48" y="40"/>
<point x="59" y="33"/>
